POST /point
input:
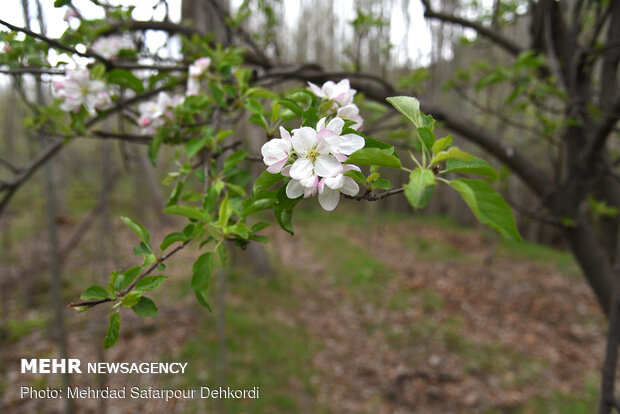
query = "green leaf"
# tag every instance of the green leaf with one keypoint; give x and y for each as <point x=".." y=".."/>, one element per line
<point x="420" y="187"/>
<point x="60" y="3"/>
<point x="427" y="137"/>
<point x="265" y="181"/>
<point x="374" y="156"/>
<point x="174" y="196"/>
<point x="225" y="212"/>
<point x="473" y="166"/>
<point x="150" y="282"/>
<point x="234" y="159"/>
<point x="137" y="228"/>
<point x="259" y="120"/>
<point x="442" y="144"/>
<point x="259" y="226"/>
<point x="94" y="292"/>
<point x="453" y="153"/>
<point x="488" y="206"/>
<point x="202" y="271"/>
<point x="357" y="176"/>
<point x="292" y="105"/>
<point x="123" y="281"/>
<point x="143" y="249"/>
<point x="194" y="145"/>
<point x="410" y="107"/>
<point x="131" y="299"/>
<point x="188" y="211"/>
<point x="111" y="337"/>
<point x="172" y="238"/>
<point x="145" y="307"/>
<point x="381" y="184"/>
<point x="155" y="144"/>
<point x="125" y="79"/>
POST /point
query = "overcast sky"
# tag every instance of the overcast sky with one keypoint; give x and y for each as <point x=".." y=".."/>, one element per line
<point x="419" y="34"/>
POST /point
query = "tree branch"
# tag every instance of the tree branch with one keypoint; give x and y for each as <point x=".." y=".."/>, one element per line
<point x="493" y="35"/>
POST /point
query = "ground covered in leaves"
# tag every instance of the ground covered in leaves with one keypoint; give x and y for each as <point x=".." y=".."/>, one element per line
<point x="359" y="315"/>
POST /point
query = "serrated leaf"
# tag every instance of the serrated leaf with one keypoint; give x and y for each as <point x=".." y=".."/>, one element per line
<point x="265" y="181"/>
<point x="201" y="271"/>
<point x="150" y="282"/>
<point x="357" y="176"/>
<point x="373" y="156"/>
<point x="125" y="79"/>
<point x="137" y="228"/>
<point x="172" y="238"/>
<point x="111" y="337"/>
<point x="420" y="187"/>
<point x="427" y="137"/>
<point x="145" y="307"/>
<point x="188" y="211"/>
<point x="488" y="206"/>
<point x="234" y="159"/>
<point x="473" y="166"/>
<point x="454" y="153"/>
<point x="131" y="299"/>
<point x="410" y="107"/>
<point x="441" y="144"/>
<point x="94" y="292"/>
<point x="194" y="145"/>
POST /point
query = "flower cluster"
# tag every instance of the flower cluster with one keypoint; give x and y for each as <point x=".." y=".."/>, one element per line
<point x="196" y="70"/>
<point x="153" y="113"/>
<point x="341" y="95"/>
<point x="77" y="89"/>
<point x="313" y="159"/>
<point x="109" y="47"/>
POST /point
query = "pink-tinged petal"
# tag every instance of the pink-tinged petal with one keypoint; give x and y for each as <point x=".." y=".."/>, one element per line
<point x="336" y="125"/>
<point x="350" y="143"/>
<point x="304" y="139"/>
<point x="348" y="111"/>
<point x="294" y="189"/>
<point x="327" y="166"/>
<point x="324" y="146"/>
<point x="286" y="171"/>
<point x="301" y="168"/>
<point x="349" y="187"/>
<point x="328" y="199"/>
<point x="144" y="121"/>
<point x="349" y="167"/>
<point x="340" y="157"/>
<point x="320" y="125"/>
<point x="316" y="90"/>
<point x="277" y="167"/>
<point x="329" y="89"/>
<point x="276" y="149"/>
<point x="335" y="183"/>
<point x="285" y="135"/>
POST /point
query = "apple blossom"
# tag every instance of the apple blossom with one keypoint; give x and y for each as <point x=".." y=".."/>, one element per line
<point x="77" y="89"/>
<point x="340" y="145"/>
<point x="331" y="187"/>
<point x="352" y="113"/>
<point x="199" y="66"/>
<point x="110" y="46"/>
<point x="277" y="152"/>
<point x="341" y="92"/>
<point x="152" y="112"/>
<point x="314" y="156"/>
<point x="196" y="70"/>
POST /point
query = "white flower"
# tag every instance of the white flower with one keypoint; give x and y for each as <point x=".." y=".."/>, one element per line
<point x="196" y="70"/>
<point x="352" y="113"/>
<point x="152" y="112"/>
<point x="77" y="89"/>
<point x="331" y="187"/>
<point x="341" y="92"/>
<point x="109" y="47"/>
<point x="199" y="66"/>
<point x="339" y="145"/>
<point x="70" y="14"/>
<point x="314" y="157"/>
<point x="277" y="151"/>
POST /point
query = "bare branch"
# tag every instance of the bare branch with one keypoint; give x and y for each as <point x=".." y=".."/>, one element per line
<point x="493" y="35"/>
<point x="369" y="196"/>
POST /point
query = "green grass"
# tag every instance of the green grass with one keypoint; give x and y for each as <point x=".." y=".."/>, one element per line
<point x="263" y="349"/>
<point x="561" y="260"/>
